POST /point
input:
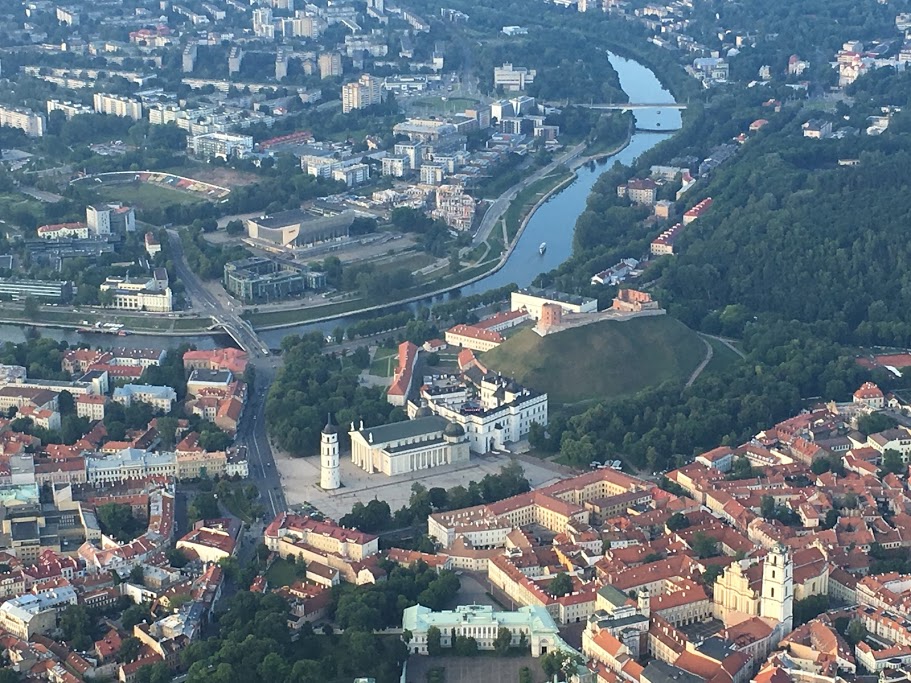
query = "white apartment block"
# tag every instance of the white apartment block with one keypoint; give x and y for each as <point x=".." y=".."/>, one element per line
<point x="221" y="145"/>
<point x="118" y="105"/>
<point x="69" y="109"/>
<point x="365" y="92"/>
<point x="352" y="175"/>
<point x="13" y="117"/>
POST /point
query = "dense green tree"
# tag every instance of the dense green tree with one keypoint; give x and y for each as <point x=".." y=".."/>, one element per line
<point x="892" y="462"/>
<point x="434" y="648"/>
<point x="503" y="641"/>
<point x="118" y="521"/>
<point x="561" y="585"/>
<point x="134" y="615"/>
<point x="204" y="506"/>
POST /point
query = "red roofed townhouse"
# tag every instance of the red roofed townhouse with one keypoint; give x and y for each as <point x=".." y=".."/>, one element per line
<point x="639" y="191"/>
<point x="397" y="394"/>
<point x="697" y="211"/>
<point x="230" y="359"/>
<point x="475" y="338"/>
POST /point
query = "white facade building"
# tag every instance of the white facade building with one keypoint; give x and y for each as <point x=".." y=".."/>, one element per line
<point x="402" y="447"/>
<point x="482" y="623"/>
<point x="329" y="457"/>
<point x="24" y="119"/>
<point x="533" y="300"/>
<point x="159" y="397"/>
<point x="117" y="105"/>
<point x="500" y="413"/>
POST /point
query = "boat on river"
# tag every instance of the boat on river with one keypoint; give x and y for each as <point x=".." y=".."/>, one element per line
<point x="542" y="248"/>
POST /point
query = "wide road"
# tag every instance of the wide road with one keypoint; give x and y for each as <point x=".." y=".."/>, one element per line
<point x="251" y="433"/>
<point x="496" y="210"/>
<point x="215" y="302"/>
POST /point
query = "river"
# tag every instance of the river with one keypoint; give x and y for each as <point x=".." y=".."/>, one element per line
<point x="553" y="222"/>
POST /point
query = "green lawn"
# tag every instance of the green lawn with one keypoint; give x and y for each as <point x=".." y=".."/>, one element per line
<point x="607" y="359"/>
<point x="450" y="105"/>
<point x="145" y="195"/>
<point x="283" y="573"/>
<point x="722" y="358"/>
<point x="302" y="315"/>
<point x="384" y="362"/>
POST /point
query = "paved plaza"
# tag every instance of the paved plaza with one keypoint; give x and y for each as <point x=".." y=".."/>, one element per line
<point x="486" y="668"/>
<point x="300" y="481"/>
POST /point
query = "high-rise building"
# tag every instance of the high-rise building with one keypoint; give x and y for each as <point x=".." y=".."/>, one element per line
<point x="329" y="457"/>
<point x="103" y="219"/>
<point x="330" y="65"/>
<point x="263" y="25"/>
<point x="364" y="92"/>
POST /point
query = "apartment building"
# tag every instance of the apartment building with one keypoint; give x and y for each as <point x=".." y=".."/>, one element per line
<point x="330" y="65"/>
<point x="159" y="397"/>
<point x="24" y="119"/>
<point x="221" y="146"/>
<point x="364" y="92"/>
<point x="69" y="109"/>
<point x="118" y="105"/>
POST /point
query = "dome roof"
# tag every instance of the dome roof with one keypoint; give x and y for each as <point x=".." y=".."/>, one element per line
<point x="453" y="429"/>
<point x="424" y="411"/>
<point x="330" y="428"/>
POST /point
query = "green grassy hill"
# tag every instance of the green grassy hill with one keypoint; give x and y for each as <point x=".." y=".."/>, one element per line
<point x="603" y="360"/>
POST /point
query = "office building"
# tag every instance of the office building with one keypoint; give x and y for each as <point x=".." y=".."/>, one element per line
<point x="513" y="78"/>
<point x="117" y="105"/>
<point x="24" y="119"/>
<point x="15" y="289"/>
<point x="352" y="175"/>
<point x="221" y="145"/>
<point x="262" y="279"/>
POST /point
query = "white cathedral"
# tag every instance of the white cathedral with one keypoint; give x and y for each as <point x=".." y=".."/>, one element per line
<point x="748" y="590"/>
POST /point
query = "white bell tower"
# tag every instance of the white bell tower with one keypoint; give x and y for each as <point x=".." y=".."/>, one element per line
<point x="777" y="600"/>
<point x="329" y="457"/>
